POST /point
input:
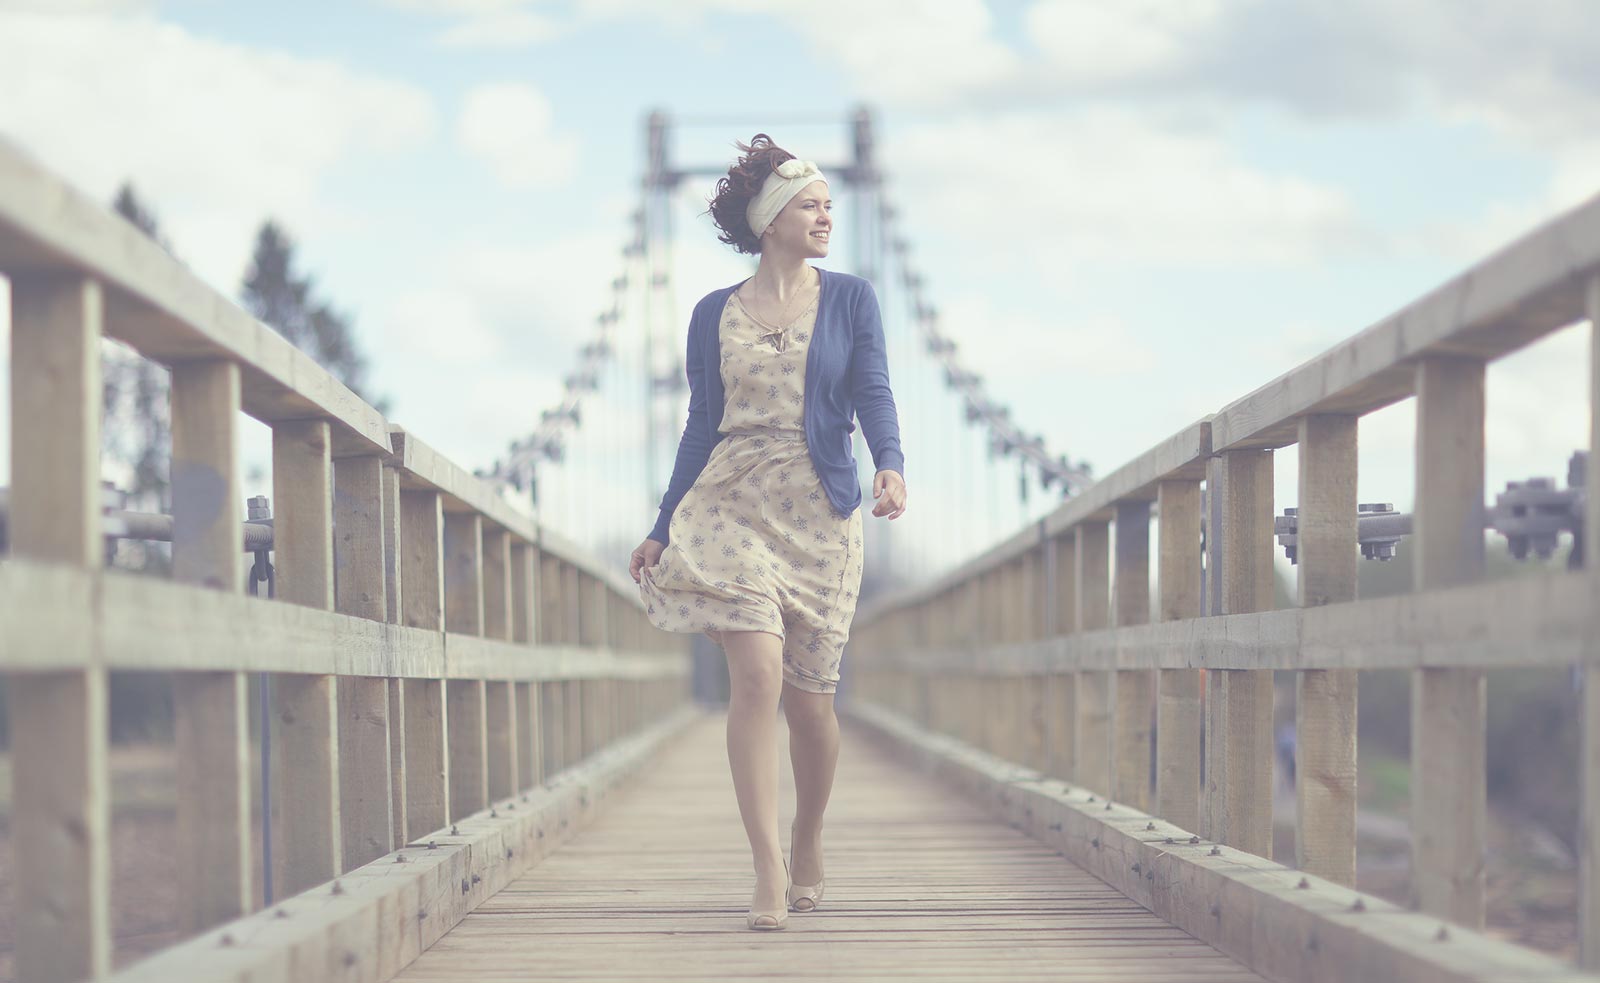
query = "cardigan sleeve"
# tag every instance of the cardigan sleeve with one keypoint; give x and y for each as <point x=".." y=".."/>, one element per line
<point x="869" y="384"/>
<point x="694" y="447"/>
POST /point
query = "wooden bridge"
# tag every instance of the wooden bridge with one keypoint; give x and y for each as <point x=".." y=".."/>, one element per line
<point x="486" y="765"/>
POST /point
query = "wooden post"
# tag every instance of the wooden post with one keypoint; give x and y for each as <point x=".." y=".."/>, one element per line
<point x="524" y="593"/>
<point x="553" y="730"/>
<point x="1589" y="822"/>
<point x="360" y="586"/>
<point x="501" y="723"/>
<point x="465" y="714"/>
<point x="497" y="575"/>
<point x="60" y="824"/>
<point x="551" y="626"/>
<point x="307" y="846"/>
<point x="1063" y="685"/>
<point x="1178" y="709"/>
<point x="1135" y="688"/>
<point x="529" y="766"/>
<point x="392" y="570"/>
<point x="1448" y="750"/>
<point x="1325" y="699"/>
<point x="210" y="709"/>
<point x="1092" y="743"/>
<point x="422" y="606"/>
<point x="572" y="714"/>
<point x="592" y="620"/>
<point x="1239" y="701"/>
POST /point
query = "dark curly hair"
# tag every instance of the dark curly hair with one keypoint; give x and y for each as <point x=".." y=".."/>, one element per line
<point x="759" y="158"/>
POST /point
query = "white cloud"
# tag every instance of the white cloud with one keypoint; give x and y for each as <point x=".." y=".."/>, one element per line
<point x="215" y="135"/>
<point x="500" y="29"/>
<point x="1093" y="40"/>
<point x="1112" y="186"/>
<point x="507" y="126"/>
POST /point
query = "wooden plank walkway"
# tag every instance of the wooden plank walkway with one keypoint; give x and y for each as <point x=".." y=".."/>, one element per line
<point x="920" y="886"/>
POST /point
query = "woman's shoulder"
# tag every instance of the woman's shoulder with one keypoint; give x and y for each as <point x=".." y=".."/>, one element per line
<point x="846" y="283"/>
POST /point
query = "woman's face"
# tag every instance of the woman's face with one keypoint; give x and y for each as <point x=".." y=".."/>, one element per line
<point x="805" y="224"/>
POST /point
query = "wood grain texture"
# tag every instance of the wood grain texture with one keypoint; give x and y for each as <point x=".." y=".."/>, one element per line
<point x="1274" y="919"/>
<point x="1135" y="689"/>
<point x="468" y="746"/>
<point x="500" y="725"/>
<point x="427" y="770"/>
<point x="1238" y="782"/>
<point x="524" y="593"/>
<point x="60" y="825"/>
<point x="366" y="776"/>
<point x="360" y="578"/>
<point x="1325" y="699"/>
<point x="422" y="560"/>
<point x="1448" y="706"/>
<point x="55" y="419"/>
<point x="497" y="613"/>
<point x="393" y="566"/>
<point x="210" y="709"/>
<point x="307" y="831"/>
<point x="668" y="863"/>
<point x="1179" y="712"/>
<point x="206" y="507"/>
<point x="302" y="513"/>
<point x="463" y="573"/>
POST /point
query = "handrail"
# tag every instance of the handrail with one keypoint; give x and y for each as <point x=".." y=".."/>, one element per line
<point x="431" y="654"/>
<point x="1037" y="652"/>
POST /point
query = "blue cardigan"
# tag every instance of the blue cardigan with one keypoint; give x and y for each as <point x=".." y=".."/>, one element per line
<point x="847" y="375"/>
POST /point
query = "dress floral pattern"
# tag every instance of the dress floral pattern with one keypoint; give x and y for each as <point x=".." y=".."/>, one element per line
<point x="755" y="544"/>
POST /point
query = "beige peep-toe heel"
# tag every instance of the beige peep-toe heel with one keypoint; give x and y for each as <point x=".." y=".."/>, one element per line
<point x="802" y="898"/>
<point x="778" y="917"/>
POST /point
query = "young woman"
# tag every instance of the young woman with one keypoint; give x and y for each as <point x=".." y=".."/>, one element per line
<point x="758" y="543"/>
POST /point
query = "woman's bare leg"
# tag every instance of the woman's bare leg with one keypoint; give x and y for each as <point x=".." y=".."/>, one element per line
<point x="814" y="754"/>
<point x="755" y="677"/>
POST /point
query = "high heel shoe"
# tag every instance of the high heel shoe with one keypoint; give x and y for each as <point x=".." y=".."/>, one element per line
<point x="779" y="917"/>
<point x="802" y="898"/>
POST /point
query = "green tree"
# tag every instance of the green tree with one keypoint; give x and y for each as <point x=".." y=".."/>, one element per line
<point x="285" y="299"/>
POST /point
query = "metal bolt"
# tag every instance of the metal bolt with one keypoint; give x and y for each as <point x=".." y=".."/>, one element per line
<point x="508" y="853"/>
<point x="1089" y="799"/>
<point x="422" y="915"/>
<point x="465" y="887"/>
<point x="1443" y="935"/>
<point x="1168" y="840"/>
<point x="1194" y="840"/>
<point x="1216" y="911"/>
<point x="1216" y="851"/>
<point x="1304" y="884"/>
<point x="476" y="879"/>
<point x="226" y="940"/>
<point x="399" y="858"/>
<point x="493" y="814"/>
<point x="281" y="913"/>
<point x="1108" y="807"/>
<point x="511" y="805"/>
<point x="433" y="845"/>
<point x="1149" y="827"/>
<point x="1150" y="874"/>
<point x="1095" y="842"/>
<point x="1358" y="905"/>
<point x="454" y="831"/>
<point x="338" y="888"/>
<point x="1136" y="867"/>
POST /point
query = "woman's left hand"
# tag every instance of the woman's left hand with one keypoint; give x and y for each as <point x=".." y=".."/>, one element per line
<point x="890" y="491"/>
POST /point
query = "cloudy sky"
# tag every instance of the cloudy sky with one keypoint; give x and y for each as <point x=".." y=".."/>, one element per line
<point x="1128" y="213"/>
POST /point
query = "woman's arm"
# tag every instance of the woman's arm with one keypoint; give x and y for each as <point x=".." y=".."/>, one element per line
<point x="694" y="447"/>
<point x="869" y="385"/>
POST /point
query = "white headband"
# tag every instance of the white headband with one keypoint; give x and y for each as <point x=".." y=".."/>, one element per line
<point x="786" y="181"/>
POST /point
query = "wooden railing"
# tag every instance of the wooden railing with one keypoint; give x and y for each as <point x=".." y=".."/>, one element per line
<point x="1035" y="654"/>
<point x="434" y="658"/>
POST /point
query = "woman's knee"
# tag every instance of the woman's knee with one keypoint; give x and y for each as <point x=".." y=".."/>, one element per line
<point x="755" y="664"/>
<point x="805" y="710"/>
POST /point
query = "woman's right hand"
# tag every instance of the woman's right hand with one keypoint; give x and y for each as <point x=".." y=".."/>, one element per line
<point x="644" y="555"/>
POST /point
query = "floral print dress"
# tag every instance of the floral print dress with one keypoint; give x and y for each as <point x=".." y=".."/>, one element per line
<point x="755" y="544"/>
